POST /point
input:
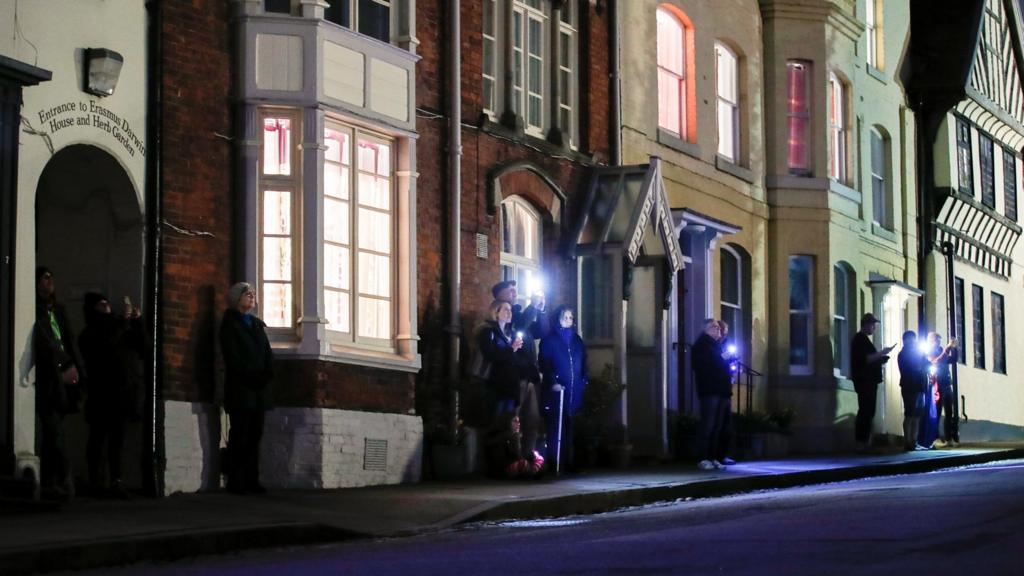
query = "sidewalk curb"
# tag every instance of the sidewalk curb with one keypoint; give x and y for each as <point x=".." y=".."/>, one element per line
<point x="720" y="485"/>
<point x="164" y="547"/>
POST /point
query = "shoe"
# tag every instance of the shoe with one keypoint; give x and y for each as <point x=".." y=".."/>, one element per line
<point x="727" y="461"/>
<point x="718" y="465"/>
<point x="939" y="444"/>
<point x="918" y="448"/>
<point x="706" y="465"/>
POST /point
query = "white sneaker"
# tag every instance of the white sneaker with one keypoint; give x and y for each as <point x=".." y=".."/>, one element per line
<point x="706" y="465"/>
<point x="718" y="465"/>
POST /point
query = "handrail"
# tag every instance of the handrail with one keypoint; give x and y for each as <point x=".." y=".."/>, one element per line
<point x="750" y="374"/>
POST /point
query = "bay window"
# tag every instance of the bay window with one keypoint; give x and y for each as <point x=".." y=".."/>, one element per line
<point x="369" y="17"/>
<point x="798" y="116"/>
<point x="278" y="187"/>
<point x="358" y="235"/>
<point x="727" y="70"/>
<point x="836" y="128"/>
<point x="801" y="324"/>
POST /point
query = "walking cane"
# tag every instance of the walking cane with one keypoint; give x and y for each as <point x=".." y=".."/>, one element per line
<point x="558" y="447"/>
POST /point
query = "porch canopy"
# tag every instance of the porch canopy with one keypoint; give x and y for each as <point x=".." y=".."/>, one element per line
<point x="625" y="211"/>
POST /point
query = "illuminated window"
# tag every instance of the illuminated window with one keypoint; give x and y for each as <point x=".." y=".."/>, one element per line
<point x="798" y="116"/>
<point x="358" y="235"/>
<point x="520" y="244"/>
<point x="673" y="65"/>
<point x="873" y="31"/>
<point x="278" y="186"/>
<point x="727" y="69"/>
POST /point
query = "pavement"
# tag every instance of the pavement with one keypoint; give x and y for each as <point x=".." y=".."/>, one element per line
<point x="89" y="533"/>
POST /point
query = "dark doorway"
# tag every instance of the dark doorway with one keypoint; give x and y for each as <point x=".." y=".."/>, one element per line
<point x="89" y="231"/>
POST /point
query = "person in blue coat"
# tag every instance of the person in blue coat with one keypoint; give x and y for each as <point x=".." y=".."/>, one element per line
<point x="563" y="364"/>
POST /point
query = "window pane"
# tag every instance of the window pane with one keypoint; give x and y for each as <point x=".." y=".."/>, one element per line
<point x="336" y="308"/>
<point x="730" y="290"/>
<point x="799" y="283"/>
<point x="798" y="153"/>
<point x="986" y="157"/>
<point x="337" y="267"/>
<point x="336" y="181"/>
<point x="374" y="318"/>
<point x="727" y="70"/>
<point x="670" y="42"/>
<point x="998" y="335"/>
<point x="978" y="309"/>
<point x="336" y="221"/>
<point x="337" y="143"/>
<point x="277" y="212"/>
<point x="277" y="305"/>
<point x="277" y="259"/>
<point x="799" y="350"/>
<point x="375" y="19"/>
<point x="374" y="231"/>
<point x="726" y="130"/>
<point x="961" y="325"/>
<point x="374" y="191"/>
<point x="669" y="105"/>
<point x="277" y="146"/>
<point x="374" y="274"/>
<point x="338" y="12"/>
<point x="506" y="228"/>
<point x="965" y="170"/>
<point x="1010" y="184"/>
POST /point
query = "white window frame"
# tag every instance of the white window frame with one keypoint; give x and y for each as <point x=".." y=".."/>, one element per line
<point x="525" y="13"/>
<point x="665" y="15"/>
<point x="881" y="211"/>
<point x="736" y="327"/>
<point x="873" y="32"/>
<point x="807" y="310"/>
<point x="843" y="279"/>
<point x="354" y="337"/>
<point x="353" y="18"/>
<point x="514" y="265"/>
<point x="291" y="184"/>
<point x="837" y="130"/>
<point x="568" y="66"/>
<point x="489" y="66"/>
<point x="727" y="67"/>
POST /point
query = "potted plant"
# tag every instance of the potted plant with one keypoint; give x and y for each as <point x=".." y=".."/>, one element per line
<point x="764" y="434"/>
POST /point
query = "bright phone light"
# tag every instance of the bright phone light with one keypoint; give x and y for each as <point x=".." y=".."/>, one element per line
<point x="731" y="349"/>
<point x="519" y="335"/>
<point x="923" y="347"/>
<point x="933" y="370"/>
<point x="535" y="284"/>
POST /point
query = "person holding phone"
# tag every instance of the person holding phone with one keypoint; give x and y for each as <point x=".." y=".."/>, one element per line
<point x="942" y="358"/>
<point x="866" y="364"/>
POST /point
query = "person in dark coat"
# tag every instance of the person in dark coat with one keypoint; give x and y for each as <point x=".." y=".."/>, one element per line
<point x="913" y="366"/>
<point x="248" y="390"/>
<point x="112" y="348"/>
<point x="58" y="385"/>
<point x="503" y="348"/>
<point x="563" y="365"/>
<point x="866" y="364"/>
<point x="942" y="358"/>
<point x="714" y="389"/>
<point x="725" y="437"/>
<point x="532" y="323"/>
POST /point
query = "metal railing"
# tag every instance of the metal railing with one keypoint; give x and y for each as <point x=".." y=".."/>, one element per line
<point x="744" y="379"/>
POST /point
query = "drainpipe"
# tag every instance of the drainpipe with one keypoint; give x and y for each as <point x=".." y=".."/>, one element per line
<point x="615" y="138"/>
<point x="455" y="209"/>
<point x="154" y="459"/>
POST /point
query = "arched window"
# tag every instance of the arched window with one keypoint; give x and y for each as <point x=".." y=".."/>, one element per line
<point x="674" y="67"/>
<point x="734" y="294"/>
<point x="728" y="89"/>
<point x="844" y="308"/>
<point x="520" y="244"/>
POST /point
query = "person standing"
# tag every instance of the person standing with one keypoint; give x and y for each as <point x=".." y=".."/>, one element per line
<point x="563" y="365"/>
<point x="866" y="364"/>
<point x="725" y="437"/>
<point x="248" y="390"/>
<point x="942" y="359"/>
<point x="531" y="324"/>
<point x="503" y="348"/>
<point x="112" y="347"/>
<point x="913" y="383"/>
<point x="58" y="384"/>
<point x="714" y="389"/>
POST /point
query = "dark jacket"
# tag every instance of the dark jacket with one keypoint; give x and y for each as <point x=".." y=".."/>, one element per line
<point x="913" y="370"/>
<point x="53" y="355"/>
<point x="112" y="349"/>
<point x="508" y="366"/>
<point x="711" y="370"/>
<point x="563" y="360"/>
<point x="534" y="325"/>
<point x="861" y="371"/>
<point x="942" y="367"/>
<point x="248" y="363"/>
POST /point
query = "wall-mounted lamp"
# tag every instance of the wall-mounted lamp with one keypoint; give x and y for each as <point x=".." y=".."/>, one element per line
<point x="102" y="68"/>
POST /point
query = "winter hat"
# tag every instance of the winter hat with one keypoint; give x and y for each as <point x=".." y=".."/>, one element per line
<point x="89" y="302"/>
<point x="235" y="293"/>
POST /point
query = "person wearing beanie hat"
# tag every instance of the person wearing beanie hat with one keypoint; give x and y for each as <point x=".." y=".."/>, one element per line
<point x="113" y="349"/>
<point x="248" y="391"/>
<point x="57" y="366"/>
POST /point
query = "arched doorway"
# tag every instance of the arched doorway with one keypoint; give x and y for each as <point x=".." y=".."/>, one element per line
<point x="89" y="232"/>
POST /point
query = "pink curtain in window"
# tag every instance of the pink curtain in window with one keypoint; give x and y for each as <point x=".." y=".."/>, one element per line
<point x="798" y="116"/>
